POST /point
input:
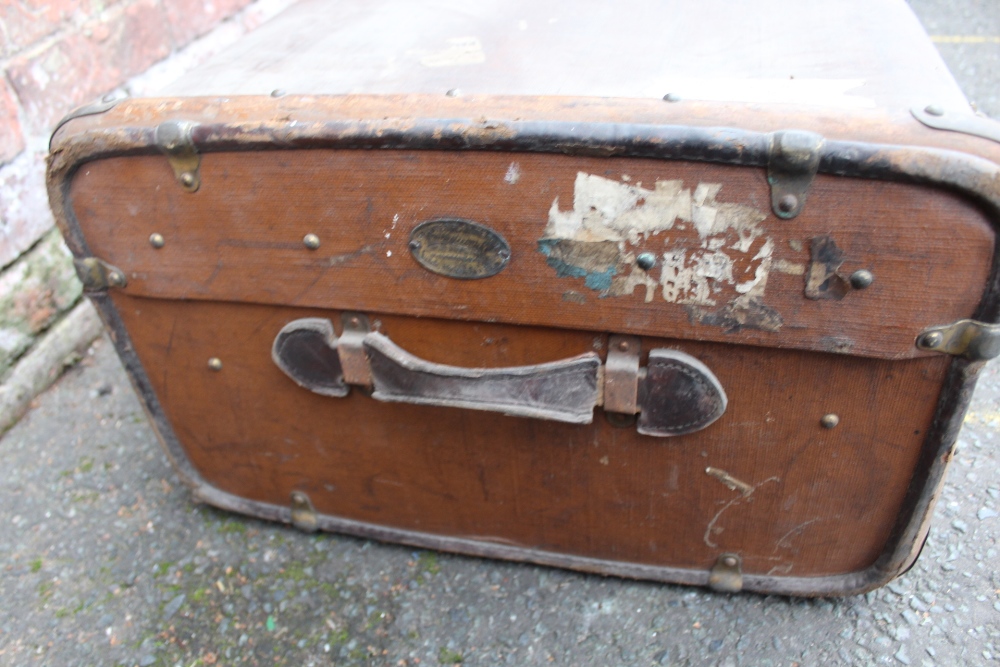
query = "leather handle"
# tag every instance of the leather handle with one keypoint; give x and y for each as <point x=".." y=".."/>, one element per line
<point x="675" y="394"/>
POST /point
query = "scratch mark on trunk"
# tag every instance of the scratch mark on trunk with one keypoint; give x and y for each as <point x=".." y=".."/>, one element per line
<point x="337" y="260"/>
<point x="746" y="493"/>
<point x="784" y="542"/>
<point x="730" y="481"/>
<point x="783" y="569"/>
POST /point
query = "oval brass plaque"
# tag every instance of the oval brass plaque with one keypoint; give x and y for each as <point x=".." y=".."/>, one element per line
<point x="459" y="248"/>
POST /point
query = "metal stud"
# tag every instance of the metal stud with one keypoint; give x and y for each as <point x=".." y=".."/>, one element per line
<point x="646" y="261"/>
<point x="671" y="97"/>
<point x="187" y="179"/>
<point x="277" y="92"/>
<point x="454" y="92"/>
<point x="311" y="241"/>
<point x="156" y="240"/>
<point x="215" y="364"/>
<point x="788" y="203"/>
<point x="116" y="278"/>
<point x="930" y="340"/>
<point x="829" y="421"/>
<point x="934" y="110"/>
<point x="861" y="279"/>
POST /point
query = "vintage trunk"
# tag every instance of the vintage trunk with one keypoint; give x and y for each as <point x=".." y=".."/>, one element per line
<point x="468" y="280"/>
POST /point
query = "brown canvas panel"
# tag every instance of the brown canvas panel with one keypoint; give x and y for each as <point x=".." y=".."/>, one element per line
<point x="233" y="238"/>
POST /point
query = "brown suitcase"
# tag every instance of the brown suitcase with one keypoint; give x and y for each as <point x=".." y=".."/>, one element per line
<point x="474" y="284"/>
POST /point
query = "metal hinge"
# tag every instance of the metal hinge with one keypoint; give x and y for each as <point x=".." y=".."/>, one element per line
<point x="97" y="275"/>
<point x="174" y="139"/>
<point x="792" y="164"/>
<point x="303" y="513"/>
<point x="726" y="575"/>
<point x="966" y="338"/>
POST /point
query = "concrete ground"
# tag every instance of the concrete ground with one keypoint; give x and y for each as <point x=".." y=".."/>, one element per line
<point x="105" y="559"/>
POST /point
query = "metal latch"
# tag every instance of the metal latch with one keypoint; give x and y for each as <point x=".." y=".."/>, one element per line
<point x="973" y="340"/>
<point x="174" y="139"/>
<point x="97" y="275"/>
<point x="303" y="513"/>
<point x="621" y="375"/>
<point x="792" y="164"/>
<point x="350" y="347"/>
<point x="726" y="575"/>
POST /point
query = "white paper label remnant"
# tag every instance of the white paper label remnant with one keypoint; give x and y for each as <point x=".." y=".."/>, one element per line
<point x="712" y="256"/>
<point x="460" y="51"/>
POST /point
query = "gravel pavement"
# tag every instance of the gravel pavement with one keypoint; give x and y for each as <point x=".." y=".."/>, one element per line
<point x="106" y="560"/>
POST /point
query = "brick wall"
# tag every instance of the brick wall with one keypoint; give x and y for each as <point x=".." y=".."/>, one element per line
<point x="56" y="55"/>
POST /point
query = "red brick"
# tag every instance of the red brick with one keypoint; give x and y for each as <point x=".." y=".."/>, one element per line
<point x="24" y="207"/>
<point x="192" y="18"/>
<point x="11" y="139"/>
<point x="81" y="66"/>
<point x="25" y="22"/>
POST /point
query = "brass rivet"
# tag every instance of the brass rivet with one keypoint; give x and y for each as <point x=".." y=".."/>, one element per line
<point x="187" y="179"/>
<point x="934" y="110"/>
<point x="861" y="279"/>
<point x="156" y="240"/>
<point x="215" y="364"/>
<point x="311" y="241"/>
<point x="788" y="203"/>
<point x="646" y="261"/>
<point x="623" y="346"/>
<point x="829" y="421"/>
<point x="931" y="339"/>
<point x="729" y="561"/>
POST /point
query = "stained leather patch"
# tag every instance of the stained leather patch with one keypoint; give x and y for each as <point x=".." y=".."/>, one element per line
<point x="306" y="351"/>
<point x="678" y="395"/>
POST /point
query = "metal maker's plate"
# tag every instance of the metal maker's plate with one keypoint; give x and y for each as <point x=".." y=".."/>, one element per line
<point x="459" y="248"/>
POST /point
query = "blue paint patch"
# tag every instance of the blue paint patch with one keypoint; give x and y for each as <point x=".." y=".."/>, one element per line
<point x="599" y="282"/>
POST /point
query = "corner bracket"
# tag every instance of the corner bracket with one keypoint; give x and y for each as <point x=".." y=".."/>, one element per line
<point x="965" y="122"/>
<point x="976" y="341"/>
<point x="97" y="275"/>
<point x="87" y="110"/>
<point x="726" y="575"/>
<point x="174" y="139"/>
<point x="792" y="163"/>
<point x="303" y="513"/>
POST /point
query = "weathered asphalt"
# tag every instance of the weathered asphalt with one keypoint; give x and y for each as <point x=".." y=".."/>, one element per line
<point x="105" y="559"/>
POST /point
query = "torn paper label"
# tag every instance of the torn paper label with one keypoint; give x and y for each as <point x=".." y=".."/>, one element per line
<point x="709" y="253"/>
